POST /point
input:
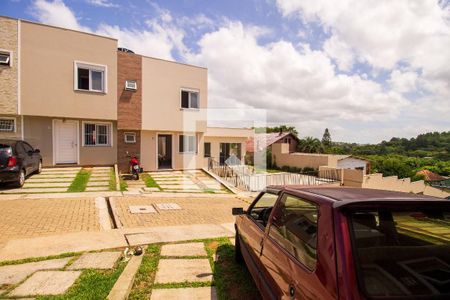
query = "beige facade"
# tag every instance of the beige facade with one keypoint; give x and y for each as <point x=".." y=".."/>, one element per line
<point x="180" y="161"/>
<point x="48" y="57"/>
<point x="40" y="133"/>
<point x="163" y="82"/>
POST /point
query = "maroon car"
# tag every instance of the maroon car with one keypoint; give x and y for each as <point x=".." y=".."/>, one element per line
<point x="345" y="243"/>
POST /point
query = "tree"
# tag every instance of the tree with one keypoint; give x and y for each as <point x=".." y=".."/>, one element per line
<point x="310" y="145"/>
<point x="326" y="138"/>
<point x="281" y="128"/>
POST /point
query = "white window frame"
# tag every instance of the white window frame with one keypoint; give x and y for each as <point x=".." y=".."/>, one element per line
<point x="10" y="63"/>
<point x="96" y="123"/>
<point x="133" y="134"/>
<point x="186" y="149"/>
<point x="91" y="67"/>
<point x="14" y="124"/>
<point x="189" y="98"/>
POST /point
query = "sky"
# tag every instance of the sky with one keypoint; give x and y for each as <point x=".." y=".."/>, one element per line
<point x="367" y="70"/>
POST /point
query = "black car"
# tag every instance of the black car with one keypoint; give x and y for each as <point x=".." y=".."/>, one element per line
<point x="18" y="160"/>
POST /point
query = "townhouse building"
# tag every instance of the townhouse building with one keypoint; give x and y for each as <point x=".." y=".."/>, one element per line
<point x="81" y="101"/>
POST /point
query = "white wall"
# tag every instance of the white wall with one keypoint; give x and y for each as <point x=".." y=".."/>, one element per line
<point x="352" y="163"/>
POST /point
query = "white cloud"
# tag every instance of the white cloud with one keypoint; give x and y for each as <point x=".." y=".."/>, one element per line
<point x="56" y="13"/>
<point x="383" y="33"/>
<point x="292" y="84"/>
<point x="403" y="82"/>
<point x="159" y="38"/>
<point x="102" y="3"/>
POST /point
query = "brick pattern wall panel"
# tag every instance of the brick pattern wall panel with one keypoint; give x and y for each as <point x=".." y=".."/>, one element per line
<point x="122" y="148"/>
<point x="129" y="109"/>
<point x="8" y="75"/>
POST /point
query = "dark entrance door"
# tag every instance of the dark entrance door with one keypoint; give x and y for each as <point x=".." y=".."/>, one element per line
<point x="164" y="151"/>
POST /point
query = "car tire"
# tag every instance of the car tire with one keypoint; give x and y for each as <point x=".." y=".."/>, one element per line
<point x="39" y="169"/>
<point x="21" y="180"/>
<point x="237" y="250"/>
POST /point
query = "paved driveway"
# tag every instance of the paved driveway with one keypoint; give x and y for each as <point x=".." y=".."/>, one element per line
<point x="214" y="209"/>
<point x="40" y="217"/>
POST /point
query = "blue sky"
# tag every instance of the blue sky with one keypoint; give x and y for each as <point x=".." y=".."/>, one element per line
<point x="368" y="71"/>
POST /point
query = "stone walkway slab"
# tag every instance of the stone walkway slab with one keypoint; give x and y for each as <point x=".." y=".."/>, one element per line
<point x="14" y="274"/>
<point x="99" y="260"/>
<point x="98" y="183"/>
<point x="97" y="188"/>
<point x="187" y="249"/>
<point x="45" y="184"/>
<point x="34" y="190"/>
<point x="201" y="293"/>
<point x="35" y="179"/>
<point x="47" y="283"/>
<point x="98" y="178"/>
<point x="183" y="270"/>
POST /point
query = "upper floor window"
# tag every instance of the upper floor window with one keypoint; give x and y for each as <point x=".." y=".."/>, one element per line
<point x="5" y="58"/>
<point x="90" y="77"/>
<point x="190" y="99"/>
<point x="8" y="125"/>
<point x="97" y="134"/>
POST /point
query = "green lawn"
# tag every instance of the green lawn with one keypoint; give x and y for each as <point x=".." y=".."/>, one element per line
<point x="80" y="181"/>
<point x="149" y="181"/>
<point x="232" y="281"/>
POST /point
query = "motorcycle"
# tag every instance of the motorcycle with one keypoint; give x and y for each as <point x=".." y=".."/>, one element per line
<point x="135" y="167"/>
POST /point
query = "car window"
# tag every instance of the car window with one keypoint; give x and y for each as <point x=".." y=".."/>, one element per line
<point x="402" y="252"/>
<point x="27" y="147"/>
<point x="260" y="210"/>
<point x="294" y="227"/>
<point x="19" y="148"/>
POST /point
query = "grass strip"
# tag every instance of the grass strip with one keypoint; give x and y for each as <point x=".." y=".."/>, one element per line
<point x="149" y="181"/>
<point x="112" y="180"/>
<point x="145" y="276"/>
<point x="92" y="285"/>
<point x="35" y="259"/>
<point x="80" y="182"/>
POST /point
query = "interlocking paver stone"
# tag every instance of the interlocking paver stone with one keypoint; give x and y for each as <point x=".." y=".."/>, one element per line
<point x="183" y="270"/>
<point x="187" y="249"/>
<point x="46" y="283"/>
<point x="16" y="273"/>
<point x="142" y="209"/>
<point x="201" y="293"/>
<point x="99" y="260"/>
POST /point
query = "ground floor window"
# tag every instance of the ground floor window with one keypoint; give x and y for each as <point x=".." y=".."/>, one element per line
<point x="8" y="124"/>
<point x="130" y="137"/>
<point x="97" y="134"/>
<point x="230" y="153"/>
<point x="207" y="149"/>
<point x="188" y="144"/>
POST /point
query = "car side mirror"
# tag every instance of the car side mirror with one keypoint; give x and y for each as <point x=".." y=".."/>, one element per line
<point x="37" y="151"/>
<point x="236" y="211"/>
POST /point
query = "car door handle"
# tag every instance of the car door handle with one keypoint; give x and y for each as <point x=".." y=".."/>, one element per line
<point x="292" y="291"/>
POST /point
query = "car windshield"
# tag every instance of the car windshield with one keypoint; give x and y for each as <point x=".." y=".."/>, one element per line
<point x="402" y="253"/>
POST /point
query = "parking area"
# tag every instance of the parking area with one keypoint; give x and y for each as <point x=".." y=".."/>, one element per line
<point x="40" y="217"/>
<point x="167" y="211"/>
<point x="67" y="179"/>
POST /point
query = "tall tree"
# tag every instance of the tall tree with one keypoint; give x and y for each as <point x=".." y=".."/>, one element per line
<point x="326" y="138"/>
<point x="310" y="145"/>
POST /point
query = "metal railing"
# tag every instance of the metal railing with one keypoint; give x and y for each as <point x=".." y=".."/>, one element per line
<point x="245" y="178"/>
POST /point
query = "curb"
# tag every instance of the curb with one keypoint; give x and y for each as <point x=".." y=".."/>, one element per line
<point x="124" y="283"/>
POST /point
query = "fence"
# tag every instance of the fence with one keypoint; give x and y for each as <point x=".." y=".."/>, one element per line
<point x="245" y="178"/>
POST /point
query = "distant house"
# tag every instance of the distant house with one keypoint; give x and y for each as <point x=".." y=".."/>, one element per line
<point x="282" y="156"/>
<point x="261" y="141"/>
<point x="430" y="176"/>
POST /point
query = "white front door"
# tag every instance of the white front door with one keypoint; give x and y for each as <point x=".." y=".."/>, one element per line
<point x="66" y="142"/>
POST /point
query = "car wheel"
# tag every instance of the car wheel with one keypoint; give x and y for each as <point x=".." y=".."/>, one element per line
<point x="39" y="169"/>
<point x="21" y="179"/>
<point x="237" y="250"/>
